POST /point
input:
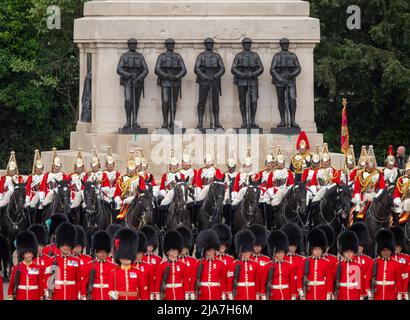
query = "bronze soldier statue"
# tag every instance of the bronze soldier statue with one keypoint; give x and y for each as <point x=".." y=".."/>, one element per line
<point x="209" y="69"/>
<point x="170" y="69"/>
<point x="246" y="68"/>
<point x="284" y="70"/>
<point x="133" y="69"/>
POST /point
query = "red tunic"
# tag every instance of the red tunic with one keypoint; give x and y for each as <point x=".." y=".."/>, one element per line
<point x="388" y="279"/>
<point x="404" y="261"/>
<point x="335" y="178"/>
<point x="30" y="285"/>
<point x="248" y="284"/>
<point x="227" y="260"/>
<point x="366" y="264"/>
<point x="213" y="279"/>
<point x="333" y="261"/>
<point x="351" y="281"/>
<point x="319" y="279"/>
<point x="357" y="189"/>
<point x="191" y="267"/>
<point x="199" y="182"/>
<point x="51" y="250"/>
<point x="129" y="283"/>
<point x="1" y="286"/>
<point x="282" y="285"/>
<point x="177" y="284"/>
<point x="67" y="278"/>
<point x="298" y="264"/>
<point x="33" y="188"/>
<point x="147" y="272"/>
<point x="102" y="275"/>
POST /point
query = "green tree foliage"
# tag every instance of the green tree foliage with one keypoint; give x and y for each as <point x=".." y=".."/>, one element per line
<point x="370" y="66"/>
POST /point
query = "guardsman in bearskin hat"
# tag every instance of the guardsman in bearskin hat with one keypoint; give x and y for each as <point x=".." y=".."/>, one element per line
<point x="34" y="181"/>
<point x="64" y="282"/>
<point x="112" y="229"/>
<point x="225" y="241"/>
<point x="244" y="274"/>
<point x="210" y="272"/>
<point x="41" y="259"/>
<point x="349" y="275"/>
<point x="152" y="244"/>
<point x="261" y="238"/>
<point x="295" y="238"/>
<point x="96" y="273"/>
<point x="8" y="181"/>
<point x="365" y="262"/>
<point x="402" y="258"/>
<point x="301" y="160"/>
<point x="146" y="269"/>
<point x="80" y="244"/>
<point x="386" y="274"/>
<point x="317" y="272"/>
<point x="278" y="280"/>
<point x="172" y="277"/>
<point x="187" y="247"/>
<point x="390" y="172"/>
<point x="53" y="223"/>
<point x="126" y="282"/>
<point x="26" y="282"/>
<point x="402" y="197"/>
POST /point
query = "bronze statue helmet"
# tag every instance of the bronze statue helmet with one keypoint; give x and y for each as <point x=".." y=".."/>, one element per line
<point x="284" y="41"/>
<point x="132" y="41"/>
<point x="209" y="40"/>
<point x="169" y="41"/>
<point x="247" y="40"/>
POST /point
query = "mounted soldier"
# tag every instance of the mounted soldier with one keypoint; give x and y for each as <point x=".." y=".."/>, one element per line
<point x="112" y="175"/>
<point x="8" y="181"/>
<point x="391" y="173"/>
<point x="300" y="160"/>
<point x="205" y="177"/>
<point x="77" y="180"/>
<point x="34" y="181"/>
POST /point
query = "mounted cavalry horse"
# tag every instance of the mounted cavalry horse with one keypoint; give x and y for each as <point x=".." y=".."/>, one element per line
<point x="61" y="203"/>
<point x="210" y="212"/>
<point x="178" y="213"/>
<point x="141" y="211"/>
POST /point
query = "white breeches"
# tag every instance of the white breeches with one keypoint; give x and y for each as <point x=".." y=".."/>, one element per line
<point x="239" y="196"/>
<point x="279" y="195"/>
<point x="168" y="197"/>
<point x="267" y="196"/>
<point x="320" y="194"/>
<point x="406" y="205"/>
<point x="203" y="193"/>
<point x="129" y="200"/>
<point x="49" y="198"/>
<point x="368" y="196"/>
<point x="78" y="198"/>
<point x="34" y="201"/>
<point x="6" y="198"/>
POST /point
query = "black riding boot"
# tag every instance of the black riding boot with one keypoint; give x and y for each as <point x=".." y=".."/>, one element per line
<point x="165" y="115"/>
<point x="243" y="114"/>
<point x="216" y="118"/>
<point x="128" y="116"/>
<point x="253" y="115"/>
<point x="292" y="106"/>
<point x="201" y="112"/>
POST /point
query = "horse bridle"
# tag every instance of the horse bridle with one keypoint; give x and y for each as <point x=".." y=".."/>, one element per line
<point x="214" y="203"/>
<point x="20" y="214"/>
<point x="54" y="203"/>
<point x="249" y="212"/>
<point x="185" y="198"/>
<point x="89" y="212"/>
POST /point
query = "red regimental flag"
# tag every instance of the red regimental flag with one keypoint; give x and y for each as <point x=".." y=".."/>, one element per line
<point x="344" y="135"/>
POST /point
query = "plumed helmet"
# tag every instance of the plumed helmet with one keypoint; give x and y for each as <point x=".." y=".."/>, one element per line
<point x="316" y="238"/>
<point x="207" y="239"/>
<point x="244" y="241"/>
<point x="172" y="240"/>
<point x="40" y="232"/>
<point x="362" y="233"/>
<point x="261" y="236"/>
<point x="224" y="233"/>
<point x="187" y="237"/>
<point x="295" y="235"/>
<point x="399" y="235"/>
<point x="142" y="242"/>
<point x="81" y="239"/>
<point x="55" y="221"/>
<point x="125" y="245"/>
<point x="101" y="240"/>
<point x="278" y="241"/>
<point x="385" y="240"/>
<point x="151" y="234"/>
<point x="66" y="234"/>
<point x="347" y="240"/>
<point x="26" y="242"/>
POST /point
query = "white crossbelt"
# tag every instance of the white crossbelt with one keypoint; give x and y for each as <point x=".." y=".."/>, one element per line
<point x="100" y="285"/>
<point x="174" y="285"/>
<point x="65" y="283"/>
<point x="385" y="283"/>
<point x="279" y="286"/>
<point x="316" y="283"/>
<point x="28" y="287"/>
<point x="210" y="284"/>
<point x="349" y="284"/>
<point x="245" y="284"/>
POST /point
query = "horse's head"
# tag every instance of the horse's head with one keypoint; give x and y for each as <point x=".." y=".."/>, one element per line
<point x="19" y="196"/>
<point x="64" y="194"/>
<point x="217" y="188"/>
<point x="299" y="194"/>
<point x="252" y="194"/>
<point x="181" y="189"/>
<point x="343" y="200"/>
<point x="90" y="196"/>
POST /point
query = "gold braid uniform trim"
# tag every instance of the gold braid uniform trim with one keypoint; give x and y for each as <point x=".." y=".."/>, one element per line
<point x="329" y="177"/>
<point x="368" y="182"/>
<point x="403" y="188"/>
<point x="298" y="164"/>
<point x="126" y="185"/>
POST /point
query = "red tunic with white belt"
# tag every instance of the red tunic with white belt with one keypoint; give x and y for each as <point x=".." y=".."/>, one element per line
<point x="191" y="267"/>
<point x="388" y="279"/>
<point x="33" y="184"/>
<point x="212" y="281"/>
<point x="404" y="261"/>
<point x="366" y="265"/>
<point x="177" y="284"/>
<point x="129" y="283"/>
<point x="248" y="283"/>
<point x="67" y="278"/>
<point x="298" y="263"/>
<point x="103" y="270"/>
<point x="227" y="260"/>
<point x="282" y="285"/>
<point x="266" y="180"/>
<point x="351" y="280"/>
<point x="147" y="272"/>
<point x="368" y="182"/>
<point x="30" y="285"/>
<point x="319" y="279"/>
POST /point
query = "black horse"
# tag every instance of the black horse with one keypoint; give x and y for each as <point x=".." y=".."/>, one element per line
<point x="334" y="208"/>
<point x="61" y="203"/>
<point x="97" y="215"/>
<point x="292" y="207"/>
<point x="5" y="258"/>
<point x="15" y="218"/>
<point x="141" y="210"/>
<point x="178" y="213"/>
<point x="211" y="209"/>
<point x="248" y="212"/>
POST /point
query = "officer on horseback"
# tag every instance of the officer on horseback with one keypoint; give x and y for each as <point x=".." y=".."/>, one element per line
<point x="77" y="178"/>
<point x="310" y="171"/>
<point x="266" y="178"/>
<point x="301" y="160"/>
<point x="390" y="172"/>
<point x="402" y="195"/>
<point x="205" y="176"/>
<point x="7" y="182"/>
<point x="230" y="177"/>
<point x="34" y="181"/>
<point x="111" y="175"/>
<point x="242" y="180"/>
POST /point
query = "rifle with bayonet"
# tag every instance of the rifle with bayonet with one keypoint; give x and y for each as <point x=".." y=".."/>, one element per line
<point x="337" y="280"/>
<point x="16" y="282"/>
<point x="164" y="282"/>
<point x="374" y="277"/>
<point x="268" y="283"/>
<point x="305" y="276"/>
<point x="91" y="282"/>
<point x="198" y="279"/>
<point x="236" y="275"/>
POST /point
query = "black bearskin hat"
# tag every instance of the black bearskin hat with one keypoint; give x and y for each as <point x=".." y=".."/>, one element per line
<point x="125" y="245"/>
<point x="385" y="240"/>
<point x="244" y="241"/>
<point x="330" y="234"/>
<point x="26" y="242"/>
<point x="295" y="235"/>
<point x="347" y="240"/>
<point x="112" y="229"/>
<point x="362" y="233"/>
<point x="101" y="241"/>
<point x="224" y="234"/>
<point x="278" y="241"/>
<point x="66" y="234"/>
<point x="260" y="233"/>
<point x="316" y="238"/>
<point x="187" y="237"/>
<point x="151" y="234"/>
<point x="142" y="242"/>
<point x="207" y="239"/>
<point x="398" y="235"/>
<point x="81" y="239"/>
<point x="172" y="240"/>
<point x="40" y="232"/>
<point x="55" y="221"/>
